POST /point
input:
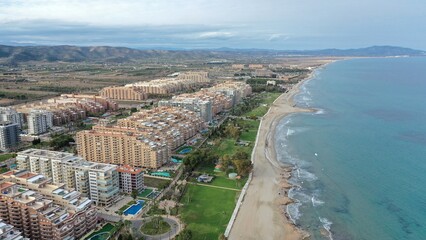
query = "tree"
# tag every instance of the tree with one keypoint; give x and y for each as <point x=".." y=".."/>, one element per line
<point x="225" y="161"/>
<point x="36" y="141"/>
<point x="135" y="194"/>
<point x="243" y="167"/>
<point x="240" y="155"/>
<point x="186" y="234"/>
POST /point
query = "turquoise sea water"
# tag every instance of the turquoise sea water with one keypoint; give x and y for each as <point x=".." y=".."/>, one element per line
<point x="361" y="158"/>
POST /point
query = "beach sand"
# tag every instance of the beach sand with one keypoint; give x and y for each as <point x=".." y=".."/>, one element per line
<point x="262" y="214"/>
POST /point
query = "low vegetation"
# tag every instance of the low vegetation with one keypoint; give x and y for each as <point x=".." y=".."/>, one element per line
<point x="155" y="226"/>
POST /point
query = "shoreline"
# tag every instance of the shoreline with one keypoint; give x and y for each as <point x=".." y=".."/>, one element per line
<point x="263" y="214"/>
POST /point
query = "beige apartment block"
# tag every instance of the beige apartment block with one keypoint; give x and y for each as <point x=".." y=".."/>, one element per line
<point x="116" y="147"/>
<point x="144" y="139"/>
<point x="124" y="93"/>
<point x="41" y="210"/>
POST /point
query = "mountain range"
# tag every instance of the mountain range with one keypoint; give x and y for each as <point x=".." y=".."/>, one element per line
<point x="64" y="53"/>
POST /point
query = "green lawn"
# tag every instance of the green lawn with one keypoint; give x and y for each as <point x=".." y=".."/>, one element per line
<point x="250" y="129"/>
<point x="155" y="228"/>
<point x="207" y="211"/>
<point x="106" y="228"/>
<point x="155" y="182"/>
<point x="265" y="98"/>
<point x="6" y="156"/>
<point x="221" y="178"/>
<point x="145" y="192"/>
<point x="228" y="146"/>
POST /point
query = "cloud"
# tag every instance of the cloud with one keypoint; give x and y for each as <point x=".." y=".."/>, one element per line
<point x="277" y="37"/>
<point x="307" y="24"/>
<point x="216" y="35"/>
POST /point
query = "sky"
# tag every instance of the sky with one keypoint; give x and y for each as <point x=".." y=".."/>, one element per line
<point x="207" y="24"/>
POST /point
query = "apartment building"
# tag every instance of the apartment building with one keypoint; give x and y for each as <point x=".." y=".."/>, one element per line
<point x="144" y="139"/>
<point x="9" y="136"/>
<point x="98" y="181"/>
<point x="9" y="232"/>
<point x="70" y="107"/>
<point x="192" y="103"/>
<point x="175" y="125"/>
<point x="236" y="90"/>
<point x="117" y="145"/>
<point x="184" y="81"/>
<point x="41" y="210"/>
<point x="39" y="121"/>
<point x="124" y="93"/>
<point x="9" y="114"/>
<point x="131" y="179"/>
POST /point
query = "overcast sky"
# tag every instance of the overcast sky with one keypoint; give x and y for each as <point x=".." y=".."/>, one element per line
<point x="176" y="24"/>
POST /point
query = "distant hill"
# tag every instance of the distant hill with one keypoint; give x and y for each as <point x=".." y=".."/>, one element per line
<point x="18" y="54"/>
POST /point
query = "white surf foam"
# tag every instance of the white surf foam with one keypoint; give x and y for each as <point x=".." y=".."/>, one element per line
<point x="316" y="202"/>
<point x="305" y="175"/>
<point x="290" y="132"/>
<point x="327" y="226"/>
<point x="319" y="111"/>
<point x="293" y="212"/>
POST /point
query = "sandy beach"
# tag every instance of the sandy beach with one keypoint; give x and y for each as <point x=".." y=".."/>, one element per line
<point x="262" y="213"/>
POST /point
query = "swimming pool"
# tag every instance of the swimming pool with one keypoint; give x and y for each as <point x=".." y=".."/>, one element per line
<point x="185" y="150"/>
<point x="161" y="174"/>
<point x="100" y="236"/>
<point x="175" y="160"/>
<point x="135" y="208"/>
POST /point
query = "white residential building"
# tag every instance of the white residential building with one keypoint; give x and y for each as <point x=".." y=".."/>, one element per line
<point x="98" y="181"/>
<point x="9" y="136"/>
<point x="10" y="114"/>
<point x="8" y="232"/>
<point x="39" y="121"/>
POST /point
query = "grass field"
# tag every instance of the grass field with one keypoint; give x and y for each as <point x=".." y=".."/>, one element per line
<point x="220" y="179"/>
<point x="207" y="211"/>
<point x="6" y="156"/>
<point x="251" y="130"/>
<point x="266" y="100"/>
<point x="153" y="228"/>
<point x="145" y="192"/>
<point x="155" y="182"/>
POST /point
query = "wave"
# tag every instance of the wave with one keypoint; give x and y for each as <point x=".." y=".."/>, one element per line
<point x="293" y="212"/>
<point x="290" y="132"/>
<point x="303" y="174"/>
<point x="319" y="111"/>
<point x="298" y="195"/>
<point x="327" y="226"/>
<point x="316" y="202"/>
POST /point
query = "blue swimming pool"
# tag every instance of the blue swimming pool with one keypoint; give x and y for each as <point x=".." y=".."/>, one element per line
<point x="185" y="150"/>
<point x="135" y="208"/>
<point x="161" y="174"/>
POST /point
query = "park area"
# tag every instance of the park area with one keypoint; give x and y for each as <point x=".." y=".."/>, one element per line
<point x="207" y="210"/>
<point x="207" y="207"/>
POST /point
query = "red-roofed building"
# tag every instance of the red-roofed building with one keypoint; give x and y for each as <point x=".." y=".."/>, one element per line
<point x="131" y="178"/>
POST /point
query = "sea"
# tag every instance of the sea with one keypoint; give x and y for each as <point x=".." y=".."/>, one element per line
<point x="359" y="159"/>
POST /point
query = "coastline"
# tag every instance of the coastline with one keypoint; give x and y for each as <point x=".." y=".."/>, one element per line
<point x="262" y="214"/>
